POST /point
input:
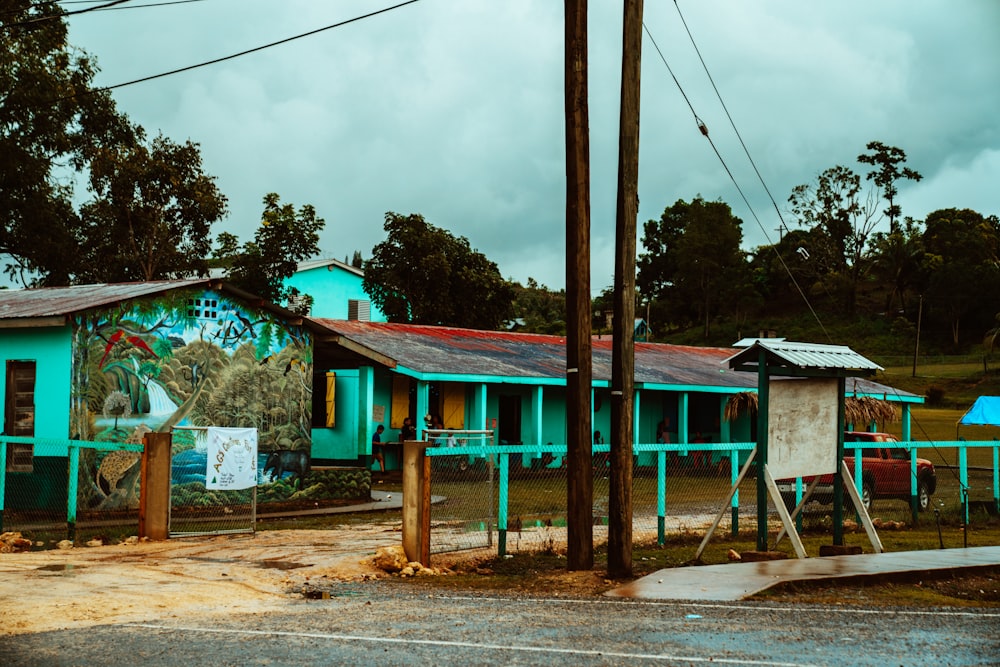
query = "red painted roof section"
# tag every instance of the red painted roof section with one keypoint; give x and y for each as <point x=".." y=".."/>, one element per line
<point x="449" y="350"/>
<point x="498" y="354"/>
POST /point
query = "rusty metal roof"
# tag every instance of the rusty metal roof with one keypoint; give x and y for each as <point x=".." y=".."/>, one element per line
<point x="432" y="352"/>
<point x="50" y="306"/>
<point x="62" y="301"/>
<point x="435" y="351"/>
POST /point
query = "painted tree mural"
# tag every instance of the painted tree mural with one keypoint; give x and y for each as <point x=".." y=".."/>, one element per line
<point x="191" y="358"/>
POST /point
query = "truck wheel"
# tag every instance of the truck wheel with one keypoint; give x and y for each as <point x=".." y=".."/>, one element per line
<point x="923" y="496"/>
<point x="867" y="494"/>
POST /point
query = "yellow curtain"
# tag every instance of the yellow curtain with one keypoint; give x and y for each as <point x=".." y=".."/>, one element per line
<point x="400" y="401"/>
<point x="453" y="405"/>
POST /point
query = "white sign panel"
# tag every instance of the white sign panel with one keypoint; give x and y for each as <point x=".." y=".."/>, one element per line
<point x="802" y="427"/>
<point x="232" y="458"/>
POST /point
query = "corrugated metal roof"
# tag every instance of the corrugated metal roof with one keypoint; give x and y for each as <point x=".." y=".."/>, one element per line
<point x="804" y="355"/>
<point x="432" y="350"/>
<point x="61" y="301"/>
<point x="45" y="306"/>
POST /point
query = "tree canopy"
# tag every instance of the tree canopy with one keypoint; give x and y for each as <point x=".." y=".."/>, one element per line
<point x="150" y="206"/>
<point x="152" y="213"/>
<point x="50" y="120"/>
<point x="422" y="274"/>
<point x="285" y="238"/>
<point x="693" y="261"/>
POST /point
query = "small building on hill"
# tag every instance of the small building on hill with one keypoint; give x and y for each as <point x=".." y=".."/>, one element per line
<point x="336" y="291"/>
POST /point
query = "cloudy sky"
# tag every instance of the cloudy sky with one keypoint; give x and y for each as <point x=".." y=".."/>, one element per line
<point x="454" y="110"/>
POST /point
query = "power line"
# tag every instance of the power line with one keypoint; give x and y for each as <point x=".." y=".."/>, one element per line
<point x="242" y="53"/>
<point x="39" y="19"/>
<point x="703" y="129"/>
<point x="731" y="122"/>
<point x="152" y="4"/>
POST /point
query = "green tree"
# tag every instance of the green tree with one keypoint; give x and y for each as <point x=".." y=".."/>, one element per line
<point x="285" y="238"/>
<point x="424" y="275"/>
<point x="694" y="262"/>
<point x="356" y="261"/>
<point x="841" y="219"/>
<point x="887" y="162"/>
<point x="50" y="118"/>
<point x="540" y="309"/>
<point x="152" y="213"/>
<point x="897" y="261"/>
<point x="961" y="259"/>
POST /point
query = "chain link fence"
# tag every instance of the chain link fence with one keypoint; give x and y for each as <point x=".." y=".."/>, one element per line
<point x="513" y="498"/>
<point x="70" y="489"/>
<point x="195" y="510"/>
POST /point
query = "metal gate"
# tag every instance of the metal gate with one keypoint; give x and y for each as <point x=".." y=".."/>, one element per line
<point x="196" y="510"/>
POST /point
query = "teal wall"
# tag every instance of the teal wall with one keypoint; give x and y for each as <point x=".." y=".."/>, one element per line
<point x="331" y="287"/>
<point x="50" y="349"/>
<point x="341" y="441"/>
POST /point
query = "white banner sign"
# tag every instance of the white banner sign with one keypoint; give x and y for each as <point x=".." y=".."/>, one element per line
<point x="232" y="458"/>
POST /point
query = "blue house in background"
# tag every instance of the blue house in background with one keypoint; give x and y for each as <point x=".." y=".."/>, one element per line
<point x="336" y="290"/>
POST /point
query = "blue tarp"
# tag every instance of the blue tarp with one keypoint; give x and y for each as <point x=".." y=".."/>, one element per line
<point x="984" y="412"/>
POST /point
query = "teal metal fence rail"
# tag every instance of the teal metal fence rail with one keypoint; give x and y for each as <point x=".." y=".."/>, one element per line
<point x="28" y="499"/>
<point x="517" y="489"/>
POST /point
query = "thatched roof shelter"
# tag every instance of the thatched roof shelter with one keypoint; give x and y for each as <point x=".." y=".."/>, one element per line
<point x="859" y="411"/>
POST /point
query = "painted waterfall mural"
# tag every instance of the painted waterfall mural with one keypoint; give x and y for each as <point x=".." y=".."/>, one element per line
<point x="186" y="359"/>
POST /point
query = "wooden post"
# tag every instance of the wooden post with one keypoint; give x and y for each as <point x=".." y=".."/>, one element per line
<point x="579" y="365"/>
<point x="154" y="489"/>
<point x="416" y="502"/>
<point x="763" y="391"/>
<point x="623" y="352"/>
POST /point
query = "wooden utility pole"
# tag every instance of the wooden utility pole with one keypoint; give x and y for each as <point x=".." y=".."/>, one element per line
<point x="623" y="350"/>
<point x="579" y="365"/>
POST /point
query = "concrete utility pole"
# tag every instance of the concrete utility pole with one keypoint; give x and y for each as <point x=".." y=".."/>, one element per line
<point x="579" y="365"/>
<point x="623" y="352"/>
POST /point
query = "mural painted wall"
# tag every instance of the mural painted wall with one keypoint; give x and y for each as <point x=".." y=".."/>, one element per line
<point x="188" y="359"/>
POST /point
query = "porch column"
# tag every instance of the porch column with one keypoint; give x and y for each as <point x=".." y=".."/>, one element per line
<point x="478" y="408"/>
<point x="423" y="406"/>
<point x="537" y="396"/>
<point x="366" y="409"/>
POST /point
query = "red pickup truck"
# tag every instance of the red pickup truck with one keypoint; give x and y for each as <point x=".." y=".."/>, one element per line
<point x="885" y="473"/>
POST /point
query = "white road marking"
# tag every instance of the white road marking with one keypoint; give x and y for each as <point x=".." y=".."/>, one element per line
<point x="472" y="645"/>
<point x="979" y="613"/>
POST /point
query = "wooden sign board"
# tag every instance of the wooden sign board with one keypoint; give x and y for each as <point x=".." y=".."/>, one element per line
<point x="802" y="427"/>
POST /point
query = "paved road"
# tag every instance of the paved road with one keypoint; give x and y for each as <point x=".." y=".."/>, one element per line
<point x="387" y="624"/>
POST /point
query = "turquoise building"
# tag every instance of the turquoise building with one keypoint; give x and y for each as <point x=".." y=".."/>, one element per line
<point x="336" y="290"/>
<point x="514" y="384"/>
<point x="105" y="363"/>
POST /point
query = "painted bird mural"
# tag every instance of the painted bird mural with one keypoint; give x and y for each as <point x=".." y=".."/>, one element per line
<point x="116" y="337"/>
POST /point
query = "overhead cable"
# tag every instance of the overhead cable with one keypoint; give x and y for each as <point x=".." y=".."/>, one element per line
<point x="246" y="52"/>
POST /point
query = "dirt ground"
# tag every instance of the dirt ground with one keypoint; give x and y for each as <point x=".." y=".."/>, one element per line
<point x="48" y="590"/>
<point x="270" y="570"/>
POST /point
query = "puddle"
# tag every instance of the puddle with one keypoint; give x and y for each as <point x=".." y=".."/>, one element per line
<point x="280" y="564"/>
<point x="59" y="567"/>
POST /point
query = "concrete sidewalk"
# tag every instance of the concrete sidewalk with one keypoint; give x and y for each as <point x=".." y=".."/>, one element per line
<point x="735" y="581"/>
